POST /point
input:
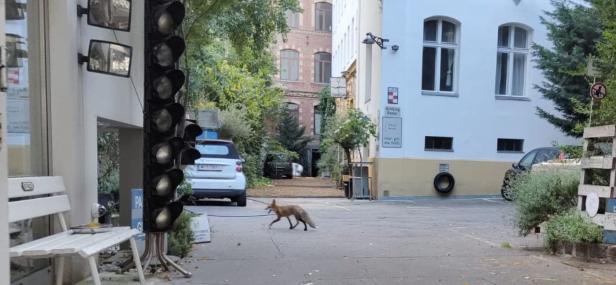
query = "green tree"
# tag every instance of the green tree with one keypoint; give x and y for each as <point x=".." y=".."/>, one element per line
<point x="351" y="130"/>
<point x="574" y="31"/>
<point x="228" y="64"/>
<point x="291" y="134"/>
<point x="108" y="160"/>
<point x="327" y="107"/>
<point x="606" y="111"/>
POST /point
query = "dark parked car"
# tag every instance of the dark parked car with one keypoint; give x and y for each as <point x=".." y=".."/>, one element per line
<point x="278" y="165"/>
<point x="525" y="164"/>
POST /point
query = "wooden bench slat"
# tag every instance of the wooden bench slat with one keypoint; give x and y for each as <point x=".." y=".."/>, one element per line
<point x="602" y="191"/>
<point x="38" y="207"/>
<point x="67" y="243"/>
<point x="92" y="240"/>
<point x="42" y="185"/>
<point x="117" y="237"/>
<point x="19" y="249"/>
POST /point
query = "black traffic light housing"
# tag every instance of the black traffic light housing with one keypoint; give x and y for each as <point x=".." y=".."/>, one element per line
<point x="169" y="139"/>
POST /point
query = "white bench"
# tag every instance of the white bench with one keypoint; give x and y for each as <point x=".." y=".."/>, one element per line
<point x="42" y="196"/>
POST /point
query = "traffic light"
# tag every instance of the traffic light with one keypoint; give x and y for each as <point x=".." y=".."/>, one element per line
<point x="169" y="139"/>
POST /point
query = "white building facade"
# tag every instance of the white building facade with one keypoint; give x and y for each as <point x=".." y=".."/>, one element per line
<point x="457" y="95"/>
<point x="52" y="109"/>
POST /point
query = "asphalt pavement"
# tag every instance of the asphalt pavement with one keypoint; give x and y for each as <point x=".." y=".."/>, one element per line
<point x="429" y="241"/>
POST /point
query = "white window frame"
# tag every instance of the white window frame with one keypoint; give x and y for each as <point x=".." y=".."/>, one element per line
<point x="511" y="51"/>
<point x="438" y="44"/>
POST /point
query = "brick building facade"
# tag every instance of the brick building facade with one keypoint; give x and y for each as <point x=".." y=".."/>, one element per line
<point x="304" y="62"/>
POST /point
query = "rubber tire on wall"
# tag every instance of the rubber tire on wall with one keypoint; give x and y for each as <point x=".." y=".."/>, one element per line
<point x="444" y="175"/>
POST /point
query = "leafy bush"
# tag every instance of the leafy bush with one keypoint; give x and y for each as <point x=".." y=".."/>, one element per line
<point x="572" y="151"/>
<point x="184" y="188"/>
<point x="274" y="146"/>
<point x="108" y="160"/>
<point x="260" y="182"/>
<point x="330" y="162"/>
<point x="233" y="125"/>
<point x="181" y="237"/>
<point x="252" y="169"/>
<point x="540" y="195"/>
<point x="571" y="226"/>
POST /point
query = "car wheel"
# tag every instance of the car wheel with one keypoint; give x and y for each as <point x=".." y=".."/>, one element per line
<point x="506" y="190"/>
<point x="241" y="200"/>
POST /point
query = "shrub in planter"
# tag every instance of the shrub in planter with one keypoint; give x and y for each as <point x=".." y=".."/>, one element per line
<point x="571" y="227"/>
<point x="540" y="195"/>
<point x="180" y="239"/>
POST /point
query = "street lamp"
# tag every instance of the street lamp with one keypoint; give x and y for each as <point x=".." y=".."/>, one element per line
<point x="372" y="39"/>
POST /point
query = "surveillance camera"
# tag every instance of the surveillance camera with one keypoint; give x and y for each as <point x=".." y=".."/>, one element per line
<point x="395" y="47"/>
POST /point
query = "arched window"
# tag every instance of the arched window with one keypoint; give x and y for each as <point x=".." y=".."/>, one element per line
<point x="323" y="17"/>
<point x="440" y="51"/>
<point x="317" y="120"/>
<point x="289" y="65"/>
<point x="322" y="67"/>
<point x="293" y="110"/>
<point x="511" y="60"/>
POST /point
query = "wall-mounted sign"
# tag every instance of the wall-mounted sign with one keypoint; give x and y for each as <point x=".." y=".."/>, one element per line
<point x="392" y="132"/>
<point x="338" y="87"/>
<point x="208" y="119"/>
<point x="392" y="95"/>
<point x="392" y="111"/>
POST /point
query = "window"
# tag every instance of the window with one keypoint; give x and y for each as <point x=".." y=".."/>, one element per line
<point x="289" y="65"/>
<point x="527" y="161"/>
<point x="293" y="110"/>
<point x="317" y="120"/>
<point x="439" y="56"/>
<point x="510" y="145"/>
<point x="323" y="17"/>
<point x="212" y="149"/>
<point x="26" y="119"/>
<point x="292" y="19"/>
<point x="511" y="60"/>
<point x="322" y="67"/>
<point x="439" y="144"/>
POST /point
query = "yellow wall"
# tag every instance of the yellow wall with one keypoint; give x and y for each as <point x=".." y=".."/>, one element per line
<point x="414" y="177"/>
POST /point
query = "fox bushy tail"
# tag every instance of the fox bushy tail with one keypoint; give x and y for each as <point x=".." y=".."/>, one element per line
<point x="308" y="220"/>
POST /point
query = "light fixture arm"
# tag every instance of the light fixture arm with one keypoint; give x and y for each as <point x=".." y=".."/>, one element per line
<point x="378" y="40"/>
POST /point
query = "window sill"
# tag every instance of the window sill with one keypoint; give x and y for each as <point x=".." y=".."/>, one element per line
<point x="439" y="94"/>
<point x="288" y="80"/>
<point x="509" y="151"/>
<point x="511" y="98"/>
<point x="438" y="150"/>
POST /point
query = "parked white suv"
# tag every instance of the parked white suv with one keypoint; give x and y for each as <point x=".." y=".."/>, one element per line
<point x="218" y="173"/>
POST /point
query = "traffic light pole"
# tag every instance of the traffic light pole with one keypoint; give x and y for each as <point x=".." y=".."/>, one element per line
<point x="157" y="243"/>
<point x="167" y="137"/>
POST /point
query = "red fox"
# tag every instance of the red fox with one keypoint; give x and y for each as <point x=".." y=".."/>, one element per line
<point x="293" y="210"/>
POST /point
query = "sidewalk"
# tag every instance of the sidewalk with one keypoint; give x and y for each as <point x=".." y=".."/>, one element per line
<point x="299" y="187"/>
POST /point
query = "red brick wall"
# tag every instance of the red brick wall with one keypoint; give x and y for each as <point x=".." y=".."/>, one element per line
<point x="307" y="42"/>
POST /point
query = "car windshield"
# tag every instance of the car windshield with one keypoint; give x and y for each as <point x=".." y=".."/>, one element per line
<point x="217" y="150"/>
<point x="277" y="157"/>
